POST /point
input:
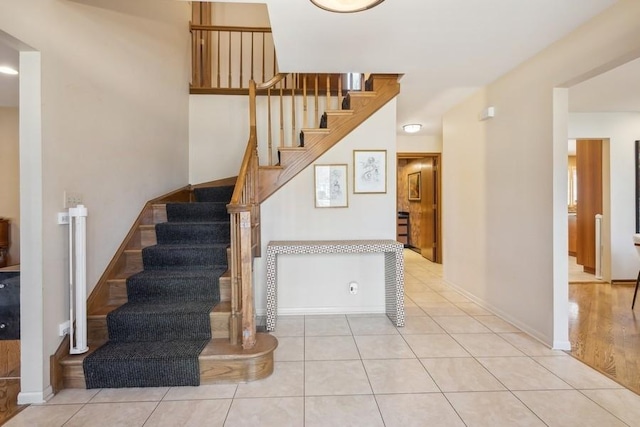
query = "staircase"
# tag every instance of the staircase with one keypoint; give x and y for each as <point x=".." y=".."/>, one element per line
<point x="357" y="107"/>
<point x="166" y="318"/>
<point x="152" y="257"/>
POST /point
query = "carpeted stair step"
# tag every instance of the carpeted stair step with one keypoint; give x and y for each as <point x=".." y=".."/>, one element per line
<point x="213" y="194"/>
<point x="161" y="257"/>
<point x="175" y="285"/>
<point x="144" y="364"/>
<point x="197" y="212"/>
<point x="193" y="232"/>
<point x="160" y="321"/>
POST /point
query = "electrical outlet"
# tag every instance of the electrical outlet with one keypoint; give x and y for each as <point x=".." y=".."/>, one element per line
<point x="63" y="218"/>
<point x="353" y="288"/>
<point x="71" y="200"/>
<point x="64" y="328"/>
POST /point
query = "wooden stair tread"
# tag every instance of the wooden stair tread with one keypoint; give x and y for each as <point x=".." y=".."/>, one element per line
<point x="219" y="362"/>
<point x="294" y="149"/>
<point x="274" y="167"/>
<point x="222" y="349"/>
<point x="339" y="112"/>
<point x="369" y="93"/>
<point x="102" y="311"/>
<point x="316" y="130"/>
<point x="216" y="348"/>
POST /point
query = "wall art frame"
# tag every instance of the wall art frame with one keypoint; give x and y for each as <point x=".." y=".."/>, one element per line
<point x="369" y="171"/>
<point x="414" y="186"/>
<point x="331" y="186"/>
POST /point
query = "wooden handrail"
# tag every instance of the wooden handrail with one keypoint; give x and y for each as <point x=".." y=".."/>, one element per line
<point x="198" y="27"/>
<point x="244" y="212"/>
<point x="272" y="81"/>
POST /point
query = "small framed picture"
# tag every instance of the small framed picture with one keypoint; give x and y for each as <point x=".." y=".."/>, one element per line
<point x="370" y="171"/>
<point x="331" y="186"/>
<point x="414" y="186"/>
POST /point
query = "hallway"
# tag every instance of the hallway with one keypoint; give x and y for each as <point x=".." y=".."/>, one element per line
<point x="452" y="364"/>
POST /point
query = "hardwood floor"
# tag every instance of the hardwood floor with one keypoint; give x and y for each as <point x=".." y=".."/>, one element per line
<point x="9" y="379"/>
<point x="605" y="332"/>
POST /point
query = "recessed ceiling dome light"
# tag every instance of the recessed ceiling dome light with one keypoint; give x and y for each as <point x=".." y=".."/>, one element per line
<point x="8" y="70"/>
<point x="413" y="128"/>
<point x="346" y="6"/>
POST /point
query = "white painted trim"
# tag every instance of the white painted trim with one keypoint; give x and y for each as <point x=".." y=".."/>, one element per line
<point x="504" y="316"/>
<point x="29" y="398"/>
<point x="560" y="225"/>
<point x="33" y="359"/>
<point x="562" y="345"/>
<point x="325" y="310"/>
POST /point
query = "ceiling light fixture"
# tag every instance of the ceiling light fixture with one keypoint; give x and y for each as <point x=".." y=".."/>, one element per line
<point x="346" y="6"/>
<point x="412" y="128"/>
<point x="8" y="70"/>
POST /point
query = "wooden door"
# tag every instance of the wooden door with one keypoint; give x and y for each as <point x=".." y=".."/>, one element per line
<point x="428" y="221"/>
<point x="589" y="182"/>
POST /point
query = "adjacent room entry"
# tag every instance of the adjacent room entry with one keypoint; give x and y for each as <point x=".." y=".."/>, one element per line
<point x="589" y="200"/>
<point x="418" y="204"/>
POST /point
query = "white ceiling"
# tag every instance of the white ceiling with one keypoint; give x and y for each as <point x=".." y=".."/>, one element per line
<point x="446" y="49"/>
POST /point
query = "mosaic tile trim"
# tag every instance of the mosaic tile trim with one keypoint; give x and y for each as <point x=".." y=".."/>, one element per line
<point x="393" y="269"/>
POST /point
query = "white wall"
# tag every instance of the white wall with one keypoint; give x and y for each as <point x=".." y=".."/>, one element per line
<point x="10" y="179"/>
<point x="622" y="130"/>
<point x="522" y="246"/>
<point x="114" y="108"/>
<point x="218" y="135"/>
<point x="319" y="283"/>
<point x="419" y="144"/>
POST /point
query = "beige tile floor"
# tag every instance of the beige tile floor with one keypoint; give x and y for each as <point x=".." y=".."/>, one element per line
<point x="453" y="364"/>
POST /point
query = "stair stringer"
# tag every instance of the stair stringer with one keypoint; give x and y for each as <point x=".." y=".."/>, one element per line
<point x="318" y="141"/>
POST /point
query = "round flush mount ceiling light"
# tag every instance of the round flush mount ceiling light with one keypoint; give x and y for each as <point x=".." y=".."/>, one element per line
<point x="412" y="128"/>
<point x="346" y="6"/>
<point x="8" y="70"/>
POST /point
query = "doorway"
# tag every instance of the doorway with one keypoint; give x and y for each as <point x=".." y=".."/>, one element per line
<point x="418" y="203"/>
<point x="586" y="221"/>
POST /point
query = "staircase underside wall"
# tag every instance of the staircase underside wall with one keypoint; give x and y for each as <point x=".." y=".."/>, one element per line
<point x="319" y="283"/>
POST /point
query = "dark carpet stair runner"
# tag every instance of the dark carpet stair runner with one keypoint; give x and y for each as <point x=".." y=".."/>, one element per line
<point x="156" y="337"/>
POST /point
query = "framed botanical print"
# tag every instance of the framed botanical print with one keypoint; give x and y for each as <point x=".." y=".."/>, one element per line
<point x="330" y="186"/>
<point x="370" y="171"/>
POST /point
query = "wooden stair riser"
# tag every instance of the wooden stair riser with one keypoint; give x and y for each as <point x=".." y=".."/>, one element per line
<point x="118" y="290"/>
<point x="286" y="155"/>
<point x="147" y="235"/>
<point x="97" y="326"/>
<point x="225" y="286"/>
<point x="334" y="120"/>
<point x="133" y="261"/>
<point x="159" y="213"/>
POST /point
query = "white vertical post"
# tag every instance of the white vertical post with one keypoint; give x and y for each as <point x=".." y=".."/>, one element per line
<point x="599" y="246"/>
<point x="78" y="279"/>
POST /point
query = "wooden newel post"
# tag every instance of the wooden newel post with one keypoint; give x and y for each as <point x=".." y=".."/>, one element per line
<point x="248" y="312"/>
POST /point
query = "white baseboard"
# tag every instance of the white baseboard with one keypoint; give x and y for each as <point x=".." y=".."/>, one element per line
<point x="324" y="310"/>
<point x="504" y="316"/>
<point x="35" y="397"/>
<point x="562" y="345"/>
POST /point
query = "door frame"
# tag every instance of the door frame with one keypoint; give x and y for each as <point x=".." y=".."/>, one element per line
<point x="438" y="168"/>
